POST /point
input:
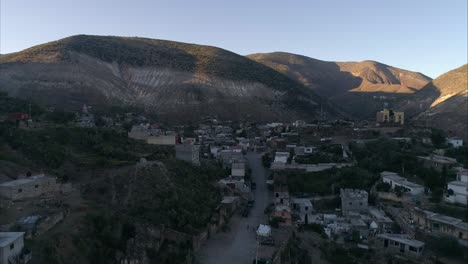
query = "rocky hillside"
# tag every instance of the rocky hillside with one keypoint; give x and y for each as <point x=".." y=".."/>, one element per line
<point x="175" y="80"/>
<point x="449" y="107"/>
<point x="360" y="88"/>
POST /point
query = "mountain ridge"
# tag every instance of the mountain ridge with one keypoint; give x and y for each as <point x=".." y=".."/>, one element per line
<point x="170" y="78"/>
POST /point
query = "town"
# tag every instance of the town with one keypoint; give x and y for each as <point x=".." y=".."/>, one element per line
<point x="329" y="191"/>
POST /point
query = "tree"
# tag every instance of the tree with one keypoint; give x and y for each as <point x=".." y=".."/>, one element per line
<point x="438" y="137"/>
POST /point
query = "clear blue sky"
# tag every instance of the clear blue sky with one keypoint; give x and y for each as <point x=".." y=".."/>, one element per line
<point x="429" y="36"/>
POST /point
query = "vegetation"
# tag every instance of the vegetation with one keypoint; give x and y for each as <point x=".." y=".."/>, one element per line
<point x="328" y="181"/>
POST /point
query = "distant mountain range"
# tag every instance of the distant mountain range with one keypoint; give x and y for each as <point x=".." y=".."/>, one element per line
<point x="186" y="82"/>
<point x="358" y="88"/>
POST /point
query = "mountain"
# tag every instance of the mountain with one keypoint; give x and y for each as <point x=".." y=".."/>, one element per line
<point x="177" y="81"/>
<point x="449" y="107"/>
<point x="359" y="88"/>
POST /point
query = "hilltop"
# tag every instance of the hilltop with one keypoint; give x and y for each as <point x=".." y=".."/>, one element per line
<point x="175" y="80"/>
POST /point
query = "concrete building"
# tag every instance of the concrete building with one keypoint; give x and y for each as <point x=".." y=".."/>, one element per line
<point x="390" y="116"/>
<point x="281" y="193"/>
<point x="281" y="157"/>
<point x="395" y="180"/>
<point x="28" y="187"/>
<point x="438" y="162"/>
<point x="399" y="243"/>
<point x="168" y="140"/>
<point x="353" y="200"/>
<point x="238" y="170"/>
<point x="383" y="222"/>
<point x="456" y="142"/>
<point x="189" y="153"/>
<point x="303" y="208"/>
<point x="459" y="192"/>
<point x="440" y="223"/>
<point x="12" y="248"/>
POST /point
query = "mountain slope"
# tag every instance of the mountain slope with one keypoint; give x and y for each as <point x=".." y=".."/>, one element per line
<point x="175" y="80"/>
<point x="449" y="109"/>
<point x="352" y="85"/>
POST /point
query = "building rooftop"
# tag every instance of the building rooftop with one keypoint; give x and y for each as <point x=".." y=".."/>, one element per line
<point x="403" y="239"/>
<point x="445" y="219"/>
<point x="302" y="201"/>
<point x="400" y="180"/>
<point x="439" y="159"/>
<point x="353" y="193"/>
<point x="458" y="183"/>
<point x="229" y="199"/>
<point x="22" y="181"/>
<point x="7" y="238"/>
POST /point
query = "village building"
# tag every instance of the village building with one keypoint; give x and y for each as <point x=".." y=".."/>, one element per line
<point x="12" y="248"/>
<point x="229" y="204"/>
<point x="438" y="162"/>
<point x="281" y="157"/>
<point x="143" y="131"/>
<point x="353" y="200"/>
<point x="303" y="208"/>
<point x="382" y="222"/>
<point x="399" y="243"/>
<point x="167" y="140"/>
<point x="396" y="180"/>
<point x="440" y="223"/>
<point x="29" y="187"/>
<point x="189" y="153"/>
<point x="238" y="170"/>
<point x="390" y="116"/>
<point x="455" y="142"/>
<point x="85" y="118"/>
<point x="283" y="213"/>
<point x="281" y="193"/>
<point x="457" y="191"/>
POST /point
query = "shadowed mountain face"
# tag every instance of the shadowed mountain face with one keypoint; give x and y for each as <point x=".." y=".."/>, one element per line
<point x="359" y="88"/>
<point x="176" y="80"/>
<point x="449" y="108"/>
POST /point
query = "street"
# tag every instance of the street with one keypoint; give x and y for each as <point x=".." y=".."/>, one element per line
<point x="238" y="245"/>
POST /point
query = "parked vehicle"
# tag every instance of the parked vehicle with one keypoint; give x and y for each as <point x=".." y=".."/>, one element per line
<point x="253" y="185"/>
<point x="250" y="203"/>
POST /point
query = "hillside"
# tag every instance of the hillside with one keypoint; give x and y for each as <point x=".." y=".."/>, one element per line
<point x="351" y="85"/>
<point x="175" y="80"/>
<point x="449" y="109"/>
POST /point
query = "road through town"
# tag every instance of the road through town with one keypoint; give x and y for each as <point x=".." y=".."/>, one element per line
<point x="238" y="245"/>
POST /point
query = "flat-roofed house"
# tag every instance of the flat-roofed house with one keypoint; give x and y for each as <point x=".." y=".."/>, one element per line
<point x="402" y="244"/>
<point x="459" y="193"/>
<point x="437" y="162"/>
<point x="238" y="170"/>
<point x="395" y="180"/>
<point x="28" y="187"/>
<point x="439" y="223"/>
<point x="353" y="200"/>
<point x="302" y="207"/>
<point x="12" y="248"/>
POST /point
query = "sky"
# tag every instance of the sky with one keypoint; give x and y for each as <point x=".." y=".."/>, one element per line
<point x="428" y="36"/>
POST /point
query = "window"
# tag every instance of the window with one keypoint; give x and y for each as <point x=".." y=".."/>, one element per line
<point x="20" y="190"/>
<point x="12" y="246"/>
<point x="277" y="194"/>
<point x="360" y="203"/>
<point x="36" y="186"/>
<point x="413" y="249"/>
<point x="306" y="208"/>
<point x="397" y="243"/>
<point x="350" y="203"/>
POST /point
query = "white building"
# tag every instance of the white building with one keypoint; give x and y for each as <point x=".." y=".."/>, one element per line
<point x="395" y="180"/>
<point x="455" y="142"/>
<point x="11" y="248"/>
<point x="189" y="153"/>
<point x="28" y="187"/>
<point x="281" y="157"/>
<point x="459" y="189"/>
